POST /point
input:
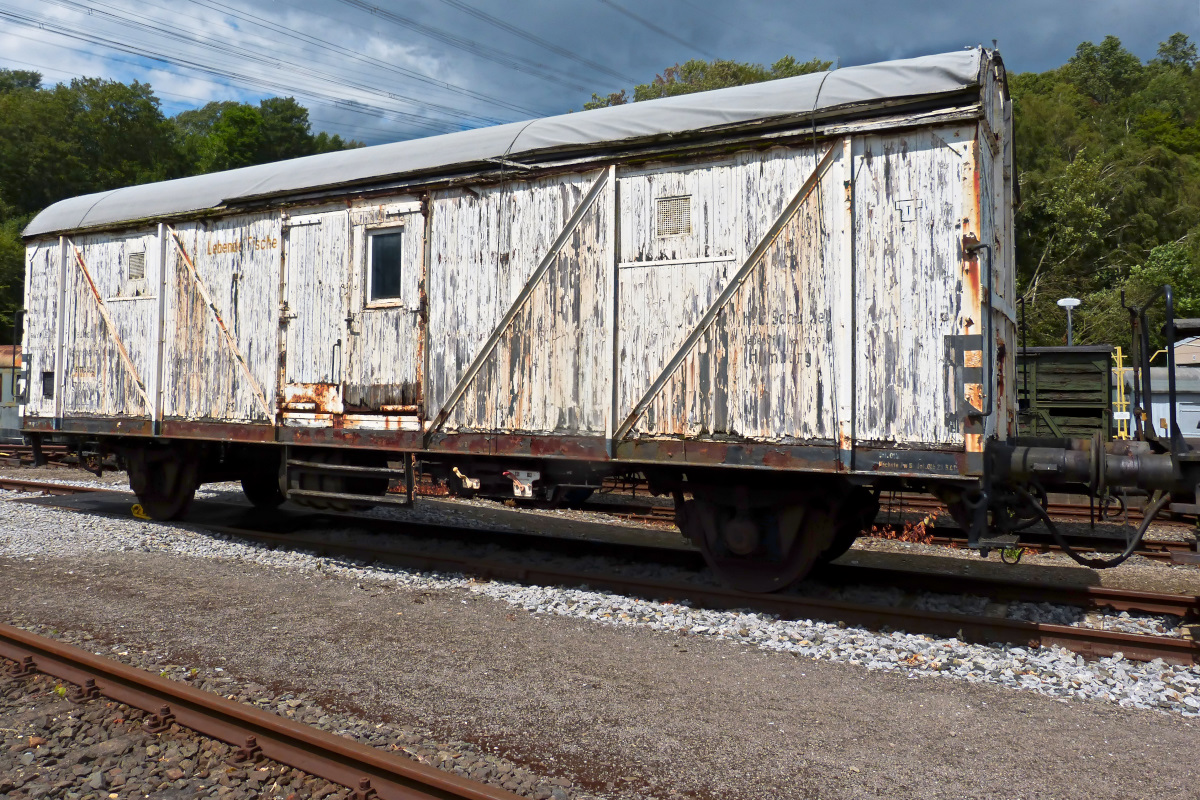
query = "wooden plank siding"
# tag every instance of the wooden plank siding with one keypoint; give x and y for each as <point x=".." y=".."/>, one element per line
<point x="96" y="378"/>
<point x="237" y="258"/>
<point x="842" y="326"/>
<point x="41" y="324"/>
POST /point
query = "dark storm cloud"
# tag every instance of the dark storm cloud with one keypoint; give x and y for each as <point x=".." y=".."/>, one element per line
<point x="378" y="101"/>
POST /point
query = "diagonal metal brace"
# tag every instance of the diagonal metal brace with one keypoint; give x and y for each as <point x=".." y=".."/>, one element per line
<point x="112" y="329"/>
<point x="588" y="200"/>
<point x="225" y="334"/>
<point x="743" y="272"/>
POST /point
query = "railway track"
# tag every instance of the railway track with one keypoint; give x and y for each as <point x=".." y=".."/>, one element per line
<point x="1091" y="642"/>
<point x="21" y="455"/>
<point x="368" y="771"/>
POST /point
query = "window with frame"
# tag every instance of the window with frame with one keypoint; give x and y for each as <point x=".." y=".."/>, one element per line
<point x="384" y="249"/>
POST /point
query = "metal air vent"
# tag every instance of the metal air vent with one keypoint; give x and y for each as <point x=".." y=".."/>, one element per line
<point x="674" y="215"/>
<point x="137" y="266"/>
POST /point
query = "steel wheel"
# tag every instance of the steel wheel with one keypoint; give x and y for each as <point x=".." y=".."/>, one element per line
<point x="758" y="550"/>
<point x="262" y="490"/>
<point x="165" y="485"/>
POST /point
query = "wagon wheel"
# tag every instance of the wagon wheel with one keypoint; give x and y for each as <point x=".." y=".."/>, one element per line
<point x="758" y="550"/>
<point x="856" y="515"/>
<point x="165" y="487"/>
<point x="262" y="489"/>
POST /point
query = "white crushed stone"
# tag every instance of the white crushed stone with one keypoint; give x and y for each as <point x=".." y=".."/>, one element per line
<point x="29" y="531"/>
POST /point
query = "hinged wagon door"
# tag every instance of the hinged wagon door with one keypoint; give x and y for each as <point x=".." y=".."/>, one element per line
<point x="313" y="314"/>
<point x="382" y="384"/>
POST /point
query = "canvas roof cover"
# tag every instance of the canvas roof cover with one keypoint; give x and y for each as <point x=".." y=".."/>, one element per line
<point x="816" y="94"/>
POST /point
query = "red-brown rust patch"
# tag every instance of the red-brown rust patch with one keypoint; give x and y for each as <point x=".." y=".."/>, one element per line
<point x="322" y="398"/>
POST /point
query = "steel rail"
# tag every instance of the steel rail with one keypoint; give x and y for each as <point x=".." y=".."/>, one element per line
<point x="1091" y="642"/>
<point x="286" y="741"/>
<point x="22" y="485"/>
<point x="1087" y="641"/>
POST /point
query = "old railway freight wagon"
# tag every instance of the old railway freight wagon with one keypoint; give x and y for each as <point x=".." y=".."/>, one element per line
<point x="770" y="300"/>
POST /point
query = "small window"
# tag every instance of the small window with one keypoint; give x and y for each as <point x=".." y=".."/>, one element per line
<point x="137" y="266"/>
<point x="48" y="385"/>
<point x="383" y="265"/>
<point x="674" y="215"/>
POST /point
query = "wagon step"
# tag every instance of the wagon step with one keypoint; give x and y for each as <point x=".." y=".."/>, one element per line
<point x="373" y="499"/>
<point x="299" y="465"/>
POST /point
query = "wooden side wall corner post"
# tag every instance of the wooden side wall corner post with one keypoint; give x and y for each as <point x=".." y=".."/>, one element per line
<point x="112" y="330"/>
<point x="225" y="334"/>
<point x="756" y="255"/>
<point x="59" y="376"/>
<point x="526" y="292"/>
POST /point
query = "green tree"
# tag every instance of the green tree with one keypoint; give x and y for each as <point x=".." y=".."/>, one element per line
<point x="701" y="76"/>
<point x="226" y="134"/>
<point x="12" y="80"/>
<point x="1177" y="51"/>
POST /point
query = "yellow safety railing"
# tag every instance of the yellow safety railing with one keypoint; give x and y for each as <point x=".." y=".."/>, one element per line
<point x="1120" y="404"/>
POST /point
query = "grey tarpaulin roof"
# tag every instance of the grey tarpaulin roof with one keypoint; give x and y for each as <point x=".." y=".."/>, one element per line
<point x="819" y="93"/>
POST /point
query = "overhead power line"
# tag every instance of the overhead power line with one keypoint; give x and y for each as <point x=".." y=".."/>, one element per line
<point x="471" y="46"/>
<point x="529" y="37"/>
<point x="663" y="31"/>
<point x="347" y="52"/>
<point x="438" y="126"/>
<point x="274" y="62"/>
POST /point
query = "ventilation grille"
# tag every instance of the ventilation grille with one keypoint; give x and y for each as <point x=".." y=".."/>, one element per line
<point x="674" y="215"/>
<point x="137" y="266"/>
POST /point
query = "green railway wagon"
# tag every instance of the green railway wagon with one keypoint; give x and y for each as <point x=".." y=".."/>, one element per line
<point x="1065" y="391"/>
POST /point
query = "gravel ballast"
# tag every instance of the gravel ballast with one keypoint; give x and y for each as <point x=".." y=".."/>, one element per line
<point x="43" y="541"/>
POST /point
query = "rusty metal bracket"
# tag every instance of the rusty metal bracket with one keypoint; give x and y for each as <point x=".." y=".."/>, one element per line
<point x="86" y="693"/>
<point x="365" y="791"/>
<point x="225" y="334"/>
<point x="606" y="176"/>
<point x="739" y="278"/>
<point x="957" y="346"/>
<point x="160" y="722"/>
<point x="25" y="668"/>
<point x="112" y="330"/>
<point x="250" y="751"/>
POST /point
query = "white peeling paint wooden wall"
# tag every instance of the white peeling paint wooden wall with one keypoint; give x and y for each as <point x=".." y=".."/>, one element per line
<point x="96" y="380"/>
<point x="733" y="204"/>
<point x="41" y="322"/>
<point x="237" y="258"/>
<point x="316" y="249"/>
<point x="384" y="352"/>
<point x="550" y="373"/>
<point x="908" y="209"/>
<point x="766" y="367"/>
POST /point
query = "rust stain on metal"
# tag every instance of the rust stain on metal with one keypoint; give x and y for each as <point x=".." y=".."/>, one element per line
<point x="322" y="398"/>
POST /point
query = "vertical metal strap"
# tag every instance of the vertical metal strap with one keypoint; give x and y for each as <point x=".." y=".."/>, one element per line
<point x="614" y="324"/>
<point x="739" y="278"/>
<point x="228" y="337"/>
<point x="60" y="334"/>
<point x="160" y="329"/>
<point x="112" y="330"/>
<point x="519" y="303"/>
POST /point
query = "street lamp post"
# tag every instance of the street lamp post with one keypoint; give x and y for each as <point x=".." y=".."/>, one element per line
<point x="1069" y="303"/>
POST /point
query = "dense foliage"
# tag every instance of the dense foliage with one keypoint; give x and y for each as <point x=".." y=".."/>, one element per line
<point x="92" y="135"/>
<point x="1108" y="163"/>
<point x="701" y="76"/>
